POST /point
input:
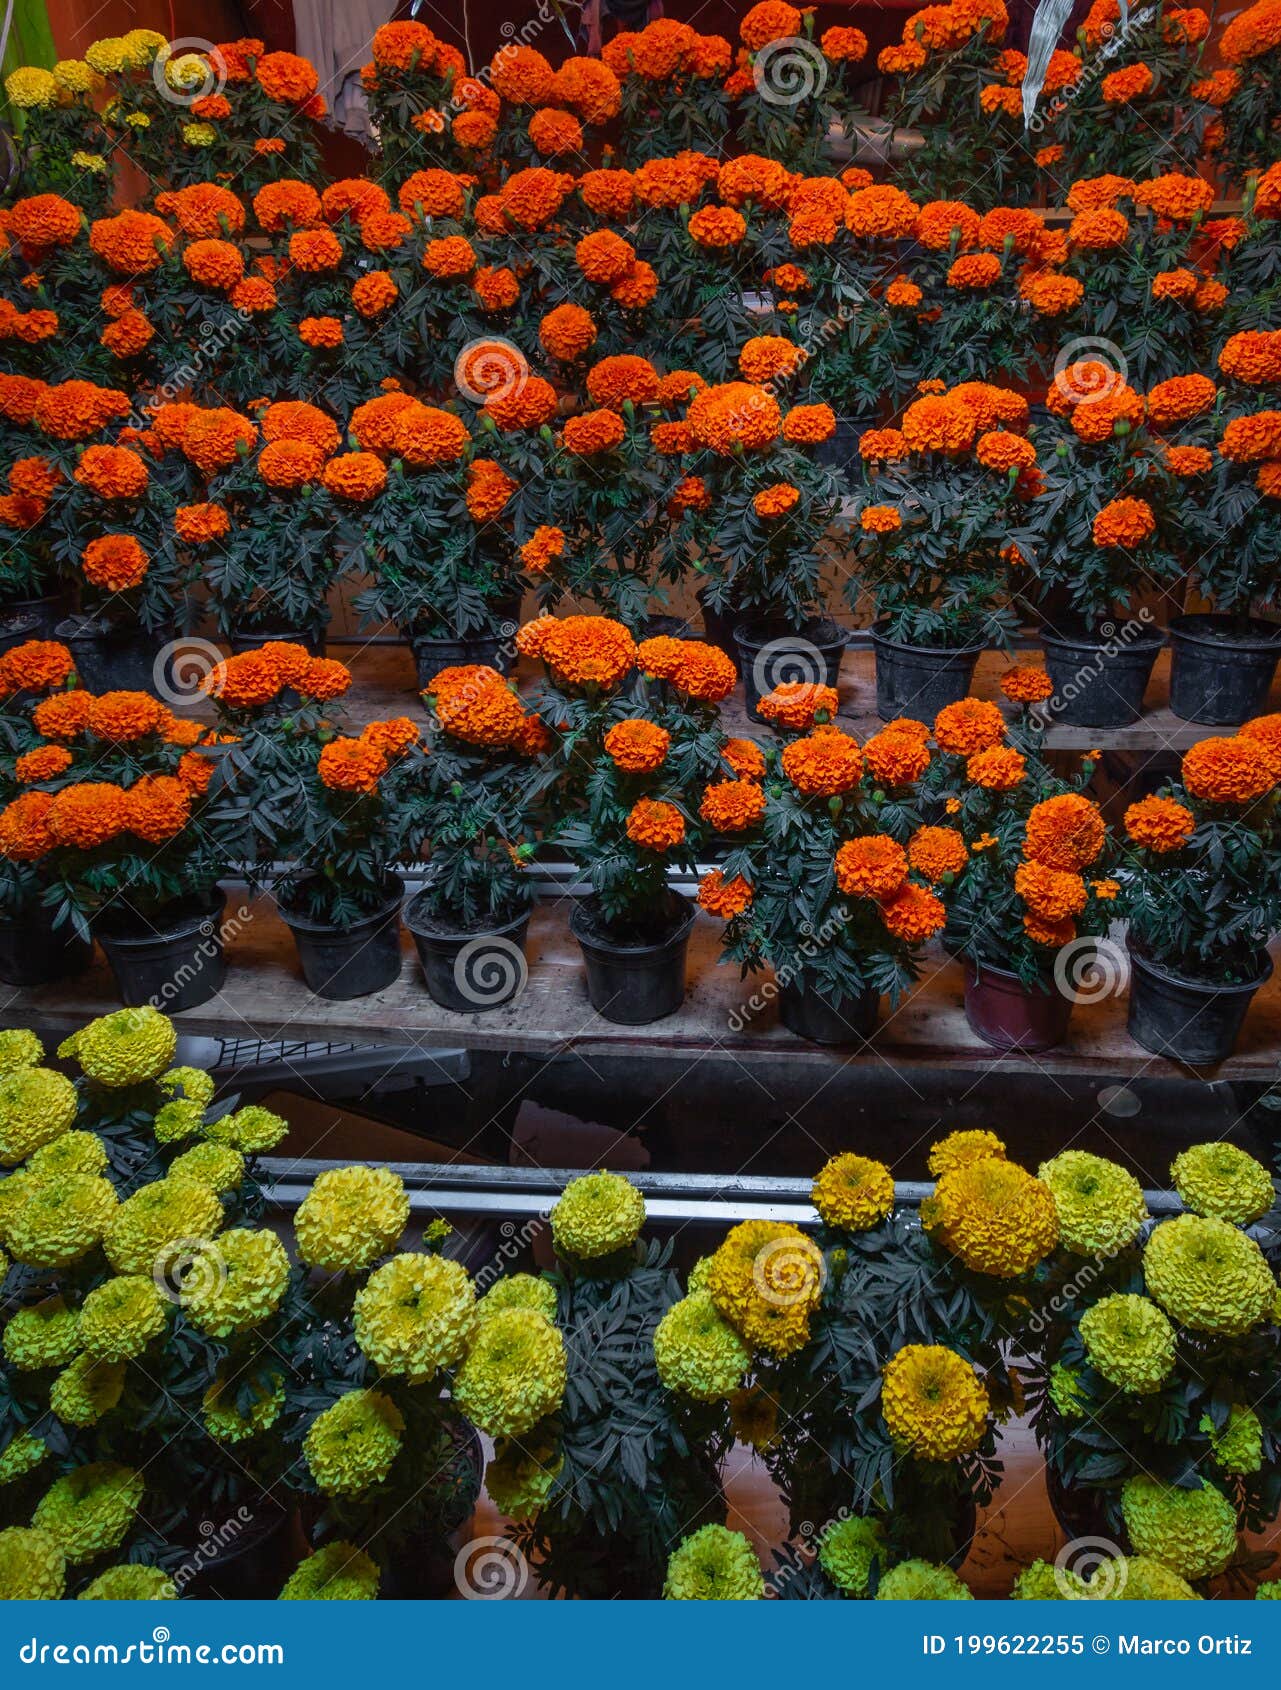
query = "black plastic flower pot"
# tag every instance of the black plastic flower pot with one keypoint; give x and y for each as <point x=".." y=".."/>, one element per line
<point x="241" y="642"/>
<point x="1196" y="1022"/>
<point x="770" y="652"/>
<point x="919" y="680"/>
<point x="1221" y="667"/>
<point x="719" y="625"/>
<point x="17" y="627"/>
<point x="111" y="658"/>
<point x="811" y="1014"/>
<point x="441" y="649"/>
<point x="173" y="961"/>
<point x="1099" y="681"/>
<point x="48" y="610"/>
<point x="348" y="962"/>
<point x="634" y="982"/>
<point x="33" y="952"/>
<point x="840" y="452"/>
<point x="472" y="971"/>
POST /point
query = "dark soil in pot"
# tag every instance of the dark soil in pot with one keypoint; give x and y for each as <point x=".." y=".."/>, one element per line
<point x="33" y="952"/>
<point x="238" y="1559"/>
<point x="469" y="970"/>
<point x="634" y="978"/>
<point x="770" y="652"/>
<point x="811" y="1014"/>
<point x="919" y="680"/>
<point x="348" y="962"/>
<point x="173" y="961"/>
<point x="1008" y="1015"/>
<point x="1099" y="679"/>
<point x="112" y="658"/>
<point x="1221" y="667"/>
<point x="1196" y="1022"/>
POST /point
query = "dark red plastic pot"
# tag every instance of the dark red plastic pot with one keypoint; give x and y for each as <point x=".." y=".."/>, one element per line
<point x="1008" y="1015"/>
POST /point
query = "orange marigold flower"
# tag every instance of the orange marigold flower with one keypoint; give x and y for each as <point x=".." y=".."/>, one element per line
<point x="969" y="725"/>
<point x="1253" y="356"/>
<point x="902" y="294"/>
<point x="1124" y="522"/>
<point x="323" y="678"/>
<point x="704" y="672"/>
<point x="882" y="445"/>
<point x="374" y="292"/>
<point x="671" y="439"/>
<point x="295" y="419"/>
<point x="375" y="423"/>
<point x="254" y="294"/>
<point x="732" y="806"/>
<point x="1095" y="420"/>
<point x="1229" y="771"/>
<point x="1251" y="439"/>
<point x="424" y="435"/>
<point x="874" y="866"/>
<point x="489" y="488"/>
<point x="450" y="258"/>
<point x="881" y="212"/>
<point x="43" y="763"/>
<point x="636" y="288"/>
<point x="717" y="226"/>
<point x="895" y="758"/>
<point x="1268" y="480"/>
<point x="44" y="220"/>
<point x="286" y="204"/>
<point x="999" y="768"/>
<point x="65" y="715"/>
<point x="475" y="703"/>
<point x="1003" y="451"/>
<point x="198" y="524"/>
<point x="809" y="425"/>
<point x="880" y="519"/>
<point x="496" y="288"/>
<point x="771" y="20"/>
<point x="678" y="387"/>
<point x="528" y="404"/>
<point x="24" y="827"/>
<point x="567" y="331"/>
<point x="609" y="193"/>
<point x="432" y="193"/>
<point x="128" y="336"/>
<point x="290" y="463"/>
<point x="212" y="439"/>
<point x="555" y="132"/>
<point x="474" y="130"/>
<point x="938" y="423"/>
<point x="938" y="221"/>
<point x="1051" y="893"/>
<point x="34" y="477"/>
<point x="544" y="546"/>
<point x="913" y="914"/>
<point x="358" y="476"/>
<point x="1180" y="198"/>
<point x="35" y="666"/>
<point x="1159" y="824"/>
<point x="655" y="824"/>
<point x="351" y="765"/>
<point x="1066" y="832"/>
<point x="112" y="472"/>
<point x="736" y="413"/>
<point x="114" y="561"/>
<point x="691" y="493"/>
<point x="158" y="807"/>
<point x="1053" y="933"/>
<point x="770" y="357"/>
<point x="384" y="231"/>
<point x="521" y="76"/>
<point x="745" y="758"/>
<point x="775" y="501"/>
<point x="1051" y="295"/>
<point x="1025" y="683"/>
<point x="320" y="332"/>
<point x="716" y="895"/>
<point x="1188" y="460"/>
<point x="613" y="381"/>
<point x="593" y="432"/>
<point x="637" y="746"/>
<point x="354" y="197"/>
<point x="797" y="705"/>
<point x="1180" y="284"/>
<point x="588" y="650"/>
<point x="974" y="270"/>
<point x="1179" y="399"/>
<point x="315" y="250"/>
<point x="203" y="209"/>
<point x="590" y="87"/>
<point x="750" y="176"/>
<point x="937" y="852"/>
<point x="124" y="716"/>
<point x="1099" y="227"/>
<point x="286" y="78"/>
<point x="131" y="243"/>
<point x="1119" y="87"/>
<point x="824" y="764"/>
<point x="531" y="198"/>
<point x="88" y="815"/>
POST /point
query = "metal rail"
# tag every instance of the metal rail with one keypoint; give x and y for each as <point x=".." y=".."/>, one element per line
<point x="528" y="1193"/>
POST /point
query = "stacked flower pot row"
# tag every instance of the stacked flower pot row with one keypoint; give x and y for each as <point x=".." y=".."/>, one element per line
<point x="200" y="1405"/>
<point x="832" y="862"/>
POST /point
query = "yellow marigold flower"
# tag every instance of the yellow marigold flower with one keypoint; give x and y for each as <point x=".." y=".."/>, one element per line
<point x="124" y="1048"/>
<point x="91" y="1509"/>
<point x="159" y="1216"/>
<point x="228" y="1423"/>
<point x="998" y="1218"/>
<point x="58" y="1224"/>
<point x="121" y="1317"/>
<point x="32" y="1565"/>
<point x="1193" y="1532"/>
<point x="43" y="1335"/>
<point x="934" y="1404"/>
<point x="597" y="1215"/>
<point x="352" y="1445"/>
<point x="513" y="1375"/>
<point x="239" y="1282"/>
<point x="1221" y="1181"/>
<point x="961" y="1147"/>
<point x="415" y="1315"/>
<point x="1207" y="1275"/>
<point x="85" y="1390"/>
<point x="698" y="1352"/>
<point x="1100" y="1206"/>
<point x="350" y="1217"/>
<point x="714" y="1564"/>
<point x="1130" y="1342"/>
<point x="37" y="1105"/>
<point x="853" y="1192"/>
<point x="336" y="1572"/>
<point x="30" y="87"/>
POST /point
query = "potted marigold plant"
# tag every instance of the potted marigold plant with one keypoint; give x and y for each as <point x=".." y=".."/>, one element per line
<point x="947" y="495"/>
<point x="1101" y="541"/>
<point x="623" y="768"/>
<point x="599" y="1509"/>
<point x="334" y="807"/>
<point x="32" y="951"/>
<point x="443" y="566"/>
<point x="64" y="142"/>
<point x="119" y="829"/>
<point x="1149" y="1396"/>
<point x="1203" y="895"/>
<point x="789" y="91"/>
<point x="1249" y="47"/>
<point x="814" y="875"/>
<point x="479" y="829"/>
<point x="1027" y="888"/>
<point x="1223" y="661"/>
<point x="672" y="89"/>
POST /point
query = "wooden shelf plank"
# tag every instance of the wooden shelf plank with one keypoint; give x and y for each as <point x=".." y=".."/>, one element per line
<point x="384" y="685"/>
<point x="264" y="996"/>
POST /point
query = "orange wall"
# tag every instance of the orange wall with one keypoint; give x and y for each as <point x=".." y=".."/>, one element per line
<point x="75" y="23"/>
